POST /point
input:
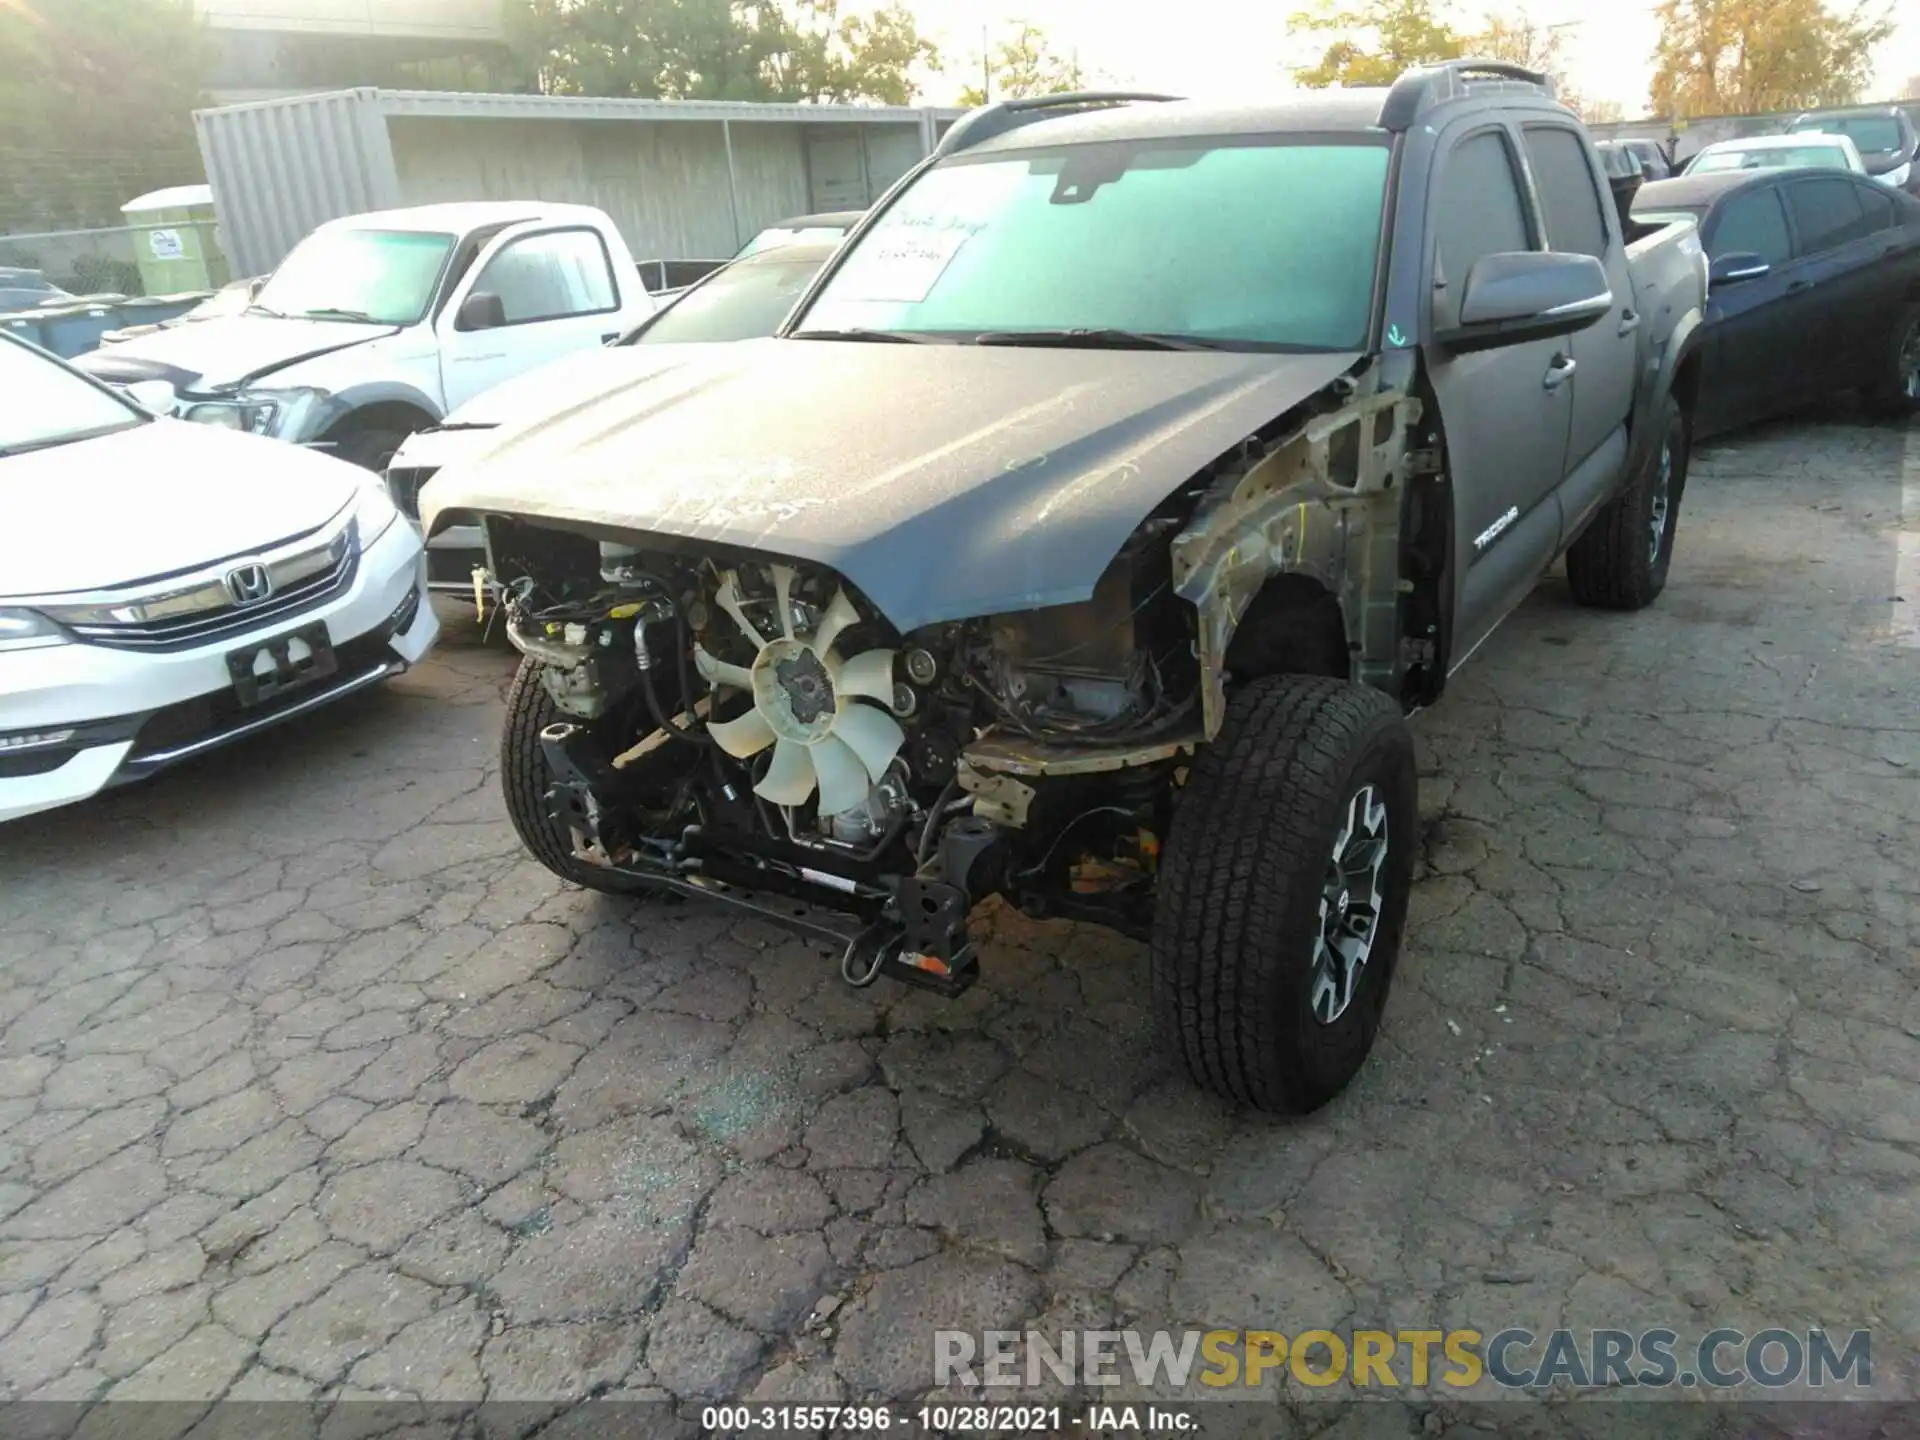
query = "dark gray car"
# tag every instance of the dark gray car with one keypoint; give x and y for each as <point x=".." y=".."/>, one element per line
<point x="1087" y="535"/>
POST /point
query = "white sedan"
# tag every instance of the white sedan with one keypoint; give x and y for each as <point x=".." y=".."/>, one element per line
<point x="1802" y="151"/>
<point x="168" y="587"/>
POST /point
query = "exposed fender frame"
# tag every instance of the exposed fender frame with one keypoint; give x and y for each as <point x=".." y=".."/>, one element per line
<point x="1325" y="503"/>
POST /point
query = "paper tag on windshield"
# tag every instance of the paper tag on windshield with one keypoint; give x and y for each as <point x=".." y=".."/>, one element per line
<point x="902" y="265"/>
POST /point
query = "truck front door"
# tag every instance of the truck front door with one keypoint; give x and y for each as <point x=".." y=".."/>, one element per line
<point x="534" y="295"/>
<point x="1506" y="412"/>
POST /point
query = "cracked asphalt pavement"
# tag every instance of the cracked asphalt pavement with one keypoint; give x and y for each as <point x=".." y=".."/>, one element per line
<point x="312" y="1086"/>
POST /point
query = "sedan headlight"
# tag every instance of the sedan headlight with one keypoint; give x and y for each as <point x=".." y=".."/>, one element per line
<point x="28" y="629"/>
<point x="375" y="510"/>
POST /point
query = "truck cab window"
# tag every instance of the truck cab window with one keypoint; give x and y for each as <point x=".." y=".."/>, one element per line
<point x="1568" y="197"/>
<point x="1478" y="212"/>
<point x="551" y="276"/>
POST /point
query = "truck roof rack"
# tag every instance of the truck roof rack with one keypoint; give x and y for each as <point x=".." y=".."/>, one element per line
<point x="979" y="126"/>
<point x="1418" y="91"/>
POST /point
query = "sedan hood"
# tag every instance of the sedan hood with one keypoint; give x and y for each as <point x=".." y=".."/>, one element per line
<point x="945" y="481"/>
<point x="157" y="499"/>
<point x="217" y="354"/>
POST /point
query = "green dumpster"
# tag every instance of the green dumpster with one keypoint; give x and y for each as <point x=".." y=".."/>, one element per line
<point x="174" y="243"/>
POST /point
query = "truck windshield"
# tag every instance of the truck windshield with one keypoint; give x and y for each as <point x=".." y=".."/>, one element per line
<point x="47" y="404"/>
<point x="1868" y="132"/>
<point x="1262" y="245"/>
<point x="380" y="277"/>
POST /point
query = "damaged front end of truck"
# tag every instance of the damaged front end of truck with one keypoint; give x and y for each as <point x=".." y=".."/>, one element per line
<point x="852" y="739"/>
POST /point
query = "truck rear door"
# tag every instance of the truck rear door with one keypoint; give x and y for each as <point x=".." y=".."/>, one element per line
<point x="1580" y="220"/>
<point x="1506" y="412"/>
<point x="537" y="292"/>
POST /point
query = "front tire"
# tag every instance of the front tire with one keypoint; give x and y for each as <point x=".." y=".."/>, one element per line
<point x="1284" y="891"/>
<point x="524" y="779"/>
<point x="1621" y="560"/>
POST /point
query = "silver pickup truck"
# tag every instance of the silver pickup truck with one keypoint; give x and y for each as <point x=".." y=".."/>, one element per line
<point x="1089" y="532"/>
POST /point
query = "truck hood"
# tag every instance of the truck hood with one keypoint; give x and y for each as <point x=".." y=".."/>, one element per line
<point x="218" y="354"/>
<point x="157" y="499"/>
<point x="945" y="481"/>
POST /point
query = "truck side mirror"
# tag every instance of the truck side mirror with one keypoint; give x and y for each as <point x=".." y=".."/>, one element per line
<point x="482" y="310"/>
<point x="1528" y="295"/>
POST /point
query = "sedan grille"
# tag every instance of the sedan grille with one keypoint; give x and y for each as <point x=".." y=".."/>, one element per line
<point x="206" y="609"/>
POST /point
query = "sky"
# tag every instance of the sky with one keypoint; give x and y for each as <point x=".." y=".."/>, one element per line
<point x="1238" y="46"/>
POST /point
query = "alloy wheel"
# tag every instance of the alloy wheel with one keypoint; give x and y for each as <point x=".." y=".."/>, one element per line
<point x="1662" y="503"/>
<point x="1351" y="904"/>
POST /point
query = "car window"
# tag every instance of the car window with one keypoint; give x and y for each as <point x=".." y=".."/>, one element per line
<point x="742" y="302"/>
<point x="1753" y="223"/>
<point x="1102" y="236"/>
<point x="1868" y="132"/>
<point x="1478" y="210"/>
<point x="1774" y="157"/>
<point x="1569" y="202"/>
<point x="47" y="404"/>
<point x="1827" y="213"/>
<point x="550" y="276"/>
<point x="1882" y="213"/>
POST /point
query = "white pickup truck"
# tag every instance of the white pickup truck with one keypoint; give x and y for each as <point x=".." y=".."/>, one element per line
<point x="379" y="325"/>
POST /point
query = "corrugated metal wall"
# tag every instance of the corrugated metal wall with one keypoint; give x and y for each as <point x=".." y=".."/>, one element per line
<point x="281" y="168"/>
<point x="664" y="183"/>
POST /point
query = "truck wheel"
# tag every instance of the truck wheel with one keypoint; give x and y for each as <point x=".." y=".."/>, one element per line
<point x="524" y="778"/>
<point x="1898" y="393"/>
<point x="1283" y="892"/>
<point x="1620" y="561"/>
<point x="369" y="449"/>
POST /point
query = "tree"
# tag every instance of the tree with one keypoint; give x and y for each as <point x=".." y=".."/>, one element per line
<point x="1521" y="40"/>
<point x="1745" y="57"/>
<point x="1025" y="66"/>
<point x="805" y="50"/>
<point x="1379" y="41"/>
<point x="96" y="107"/>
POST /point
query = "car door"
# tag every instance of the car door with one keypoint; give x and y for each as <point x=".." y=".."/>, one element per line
<point x="1757" y="324"/>
<point x="1878" y="276"/>
<point x="1507" y="411"/>
<point x="556" y="293"/>
<point x="1607" y="353"/>
<point x="1830" y="233"/>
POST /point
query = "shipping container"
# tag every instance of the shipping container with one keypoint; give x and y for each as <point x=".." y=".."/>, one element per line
<point x="689" y="179"/>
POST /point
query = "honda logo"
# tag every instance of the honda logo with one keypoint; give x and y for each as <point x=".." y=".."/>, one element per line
<point x="249" y="584"/>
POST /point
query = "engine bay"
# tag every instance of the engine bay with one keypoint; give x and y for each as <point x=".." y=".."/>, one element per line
<point x="749" y="726"/>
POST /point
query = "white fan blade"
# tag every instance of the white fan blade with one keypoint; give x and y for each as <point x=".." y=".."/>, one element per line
<point x="869" y="675"/>
<point x="789" y="780"/>
<point x="783" y="588"/>
<point x="727" y="597"/>
<point x="873" y="735"/>
<point x="843" y="779"/>
<point x="719" y="672"/>
<point x="840" y="614"/>
<point x="748" y="735"/>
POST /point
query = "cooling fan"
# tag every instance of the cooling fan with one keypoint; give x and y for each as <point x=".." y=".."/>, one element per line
<point x="808" y="704"/>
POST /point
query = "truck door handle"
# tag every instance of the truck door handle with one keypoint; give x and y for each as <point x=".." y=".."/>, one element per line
<point x="1629" y="322"/>
<point x="609" y="337"/>
<point x="1560" y="371"/>
<point x="471" y="359"/>
<point x="1797" y="286"/>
